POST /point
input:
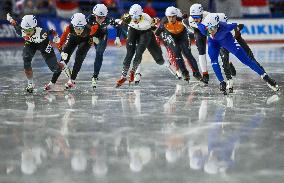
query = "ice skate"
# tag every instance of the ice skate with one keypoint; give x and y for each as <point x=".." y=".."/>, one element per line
<point x="230" y="84"/>
<point x="137" y="78"/>
<point x="168" y="66"/>
<point x="30" y="88"/>
<point x="205" y="78"/>
<point x="70" y="84"/>
<point x="270" y="82"/>
<point x="120" y="82"/>
<point x="49" y="86"/>
<point x="186" y="76"/>
<point x="94" y="82"/>
<point x="178" y="75"/>
<point x="131" y="77"/>
<point x="223" y="86"/>
<point x="198" y="76"/>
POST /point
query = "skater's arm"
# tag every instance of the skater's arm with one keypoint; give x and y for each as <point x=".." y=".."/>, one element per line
<point x="202" y="29"/>
<point x="230" y="26"/>
<point x="94" y="29"/>
<point x="161" y="28"/>
<point x="238" y="30"/>
<point x="63" y="37"/>
<point x="14" y="23"/>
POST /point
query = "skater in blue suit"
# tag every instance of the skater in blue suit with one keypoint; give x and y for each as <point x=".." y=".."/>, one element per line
<point x="220" y="36"/>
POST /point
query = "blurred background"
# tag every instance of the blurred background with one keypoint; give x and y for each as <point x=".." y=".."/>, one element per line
<point x="56" y="14"/>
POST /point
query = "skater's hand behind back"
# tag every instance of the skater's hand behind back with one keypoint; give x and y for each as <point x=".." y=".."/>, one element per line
<point x="10" y="19"/>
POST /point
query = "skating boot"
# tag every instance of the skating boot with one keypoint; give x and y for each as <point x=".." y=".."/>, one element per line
<point x="232" y="69"/>
<point x="120" y="82"/>
<point x="70" y="84"/>
<point x="30" y="88"/>
<point x="230" y="84"/>
<point x="137" y="78"/>
<point x="94" y="82"/>
<point x="205" y="78"/>
<point x="198" y="76"/>
<point x="49" y="86"/>
<point x="178" y="75"/>
<point x="186" y="76"/>
<point x="223" y="86"/>
<point x="131" y="77"/>
<point x="270" y="82"/>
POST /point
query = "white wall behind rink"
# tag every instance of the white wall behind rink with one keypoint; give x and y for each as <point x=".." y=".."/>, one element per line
<point x="262" y="29"/>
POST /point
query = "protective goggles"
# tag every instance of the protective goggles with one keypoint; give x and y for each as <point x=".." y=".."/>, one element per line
<point x="135" y="17"/>
<point x="28" y="30"/>
<point x="196" y="16"/>
<point x="100" y="17"/>
<point x="212" y="28"/>
<point x="80" y="27"/>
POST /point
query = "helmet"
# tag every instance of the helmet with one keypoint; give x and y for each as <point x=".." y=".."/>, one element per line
<point x="211" y="20"/>
<point x="222" y="17"/>
<point x="171" y="11"/>
<point x="196" y="10"/>
<point x="78" y="20"/>
<point x="100" y="10"/>
<point x="179" y="13"/>
<point x="135" y="10"/>
<point x="28" y="21"/>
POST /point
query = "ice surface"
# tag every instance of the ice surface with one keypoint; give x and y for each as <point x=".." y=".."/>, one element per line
<point x="161" y="131"/>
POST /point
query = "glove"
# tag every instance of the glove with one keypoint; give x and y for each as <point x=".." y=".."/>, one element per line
<point x="96" y="40"/>
<point x="117" y="42"/>
<point x="9" y="18"/>
<point x="44" y="36"/>
<point x="56" y="39"/>
<point x="193" y="24"/>
<point x="240" y="27"/>
<point x="64" y="56"/>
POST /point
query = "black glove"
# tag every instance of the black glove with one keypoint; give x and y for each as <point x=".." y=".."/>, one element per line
<point x="240" y="27"/>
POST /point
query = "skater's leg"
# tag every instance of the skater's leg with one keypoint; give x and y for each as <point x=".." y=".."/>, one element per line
<point x="100" y="49"/>
<point x="144" y="41"/>
<point x="201" y="47"/>
<point x="232" y="45"/>
<point x="28" y="54"/>
<point x="172" y="45"/>
<point x="213" y="51"/>
<point x="225" y="60"/>
<point x="186" y="50"/>
<point x="155" y="50"/>
<point x="81" y="54"/>
<point x="247" y="49"/>
<point x="132" y="38"/>
<point x="51" y="61"/>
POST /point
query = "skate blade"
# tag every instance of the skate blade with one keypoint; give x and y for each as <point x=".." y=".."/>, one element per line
<point x="231" y="90"/>
<point x="137" y="82"/>
<point x="276" y="88"/>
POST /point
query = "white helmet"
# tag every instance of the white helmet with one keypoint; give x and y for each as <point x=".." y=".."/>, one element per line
<point x="222" y="17"/>
<point x="179" y="13"/>
<point x="100" y="10"/>
<point x="28" y="21"/>
<point x="211" y="20"/>
<point x="78" y="20"/>
<point x="196" y="10"/>
<point x="171" y="11"/>
<point x="135" y="10"/>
